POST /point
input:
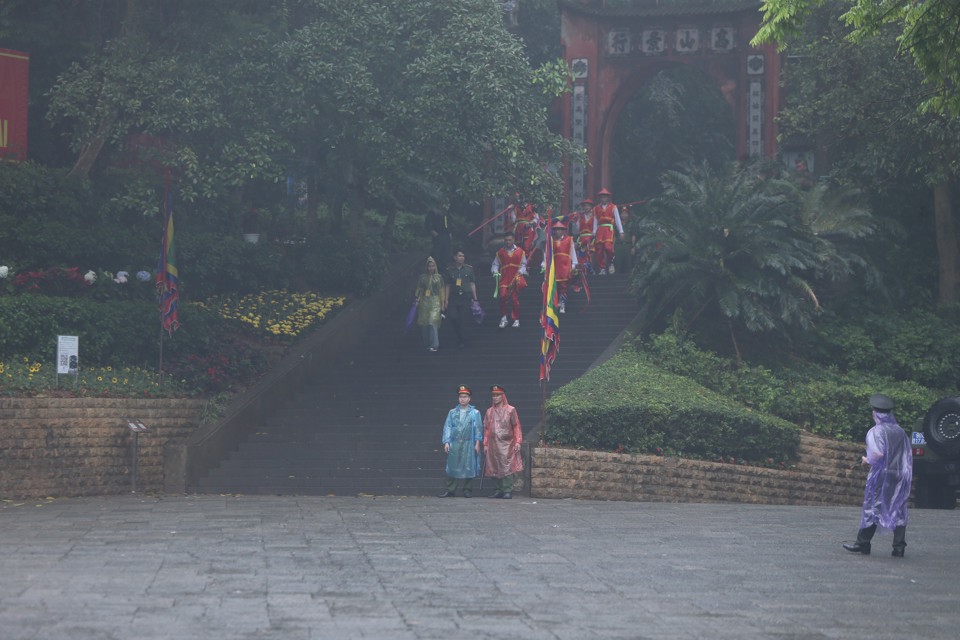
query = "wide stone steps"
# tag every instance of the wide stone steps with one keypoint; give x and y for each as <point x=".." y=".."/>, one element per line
<point x="372" y="422"/>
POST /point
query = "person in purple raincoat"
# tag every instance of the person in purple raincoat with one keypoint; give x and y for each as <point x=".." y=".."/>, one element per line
<point x="890" y="457"/>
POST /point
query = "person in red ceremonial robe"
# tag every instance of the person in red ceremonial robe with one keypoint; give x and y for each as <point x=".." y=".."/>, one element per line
<point x="606" y="223"/>
<point x="564" y="261"/>
<point x="510" y="268"/>
<point x="583" y="230"/>
<point x="525" y="227"/>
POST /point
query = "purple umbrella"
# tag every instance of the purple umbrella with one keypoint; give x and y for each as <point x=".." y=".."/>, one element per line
<point x="477" y="311"/>
<point x="411" y="315"/>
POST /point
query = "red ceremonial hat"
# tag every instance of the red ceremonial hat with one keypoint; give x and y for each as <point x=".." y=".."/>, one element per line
<point x="604" y="192"/>
<point x="464" y="389"/>
<point x="497" y="389"/>
<point x="586" y="201"/>
<point x="558" y="225"/>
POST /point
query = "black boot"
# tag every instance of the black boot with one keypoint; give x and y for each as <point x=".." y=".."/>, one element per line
<point x="899" y="541"/>
<point x="862" y="545"/>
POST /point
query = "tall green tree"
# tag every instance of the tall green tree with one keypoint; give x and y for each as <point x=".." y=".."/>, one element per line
<point x="372" y="103"/>
<point x="927" y="32"/>
<point x="861" y="104"/>
<point x="396" y="99"/>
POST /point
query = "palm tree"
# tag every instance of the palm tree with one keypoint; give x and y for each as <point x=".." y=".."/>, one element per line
<point x="839" y="219"/>
<point x="730" y="248"/>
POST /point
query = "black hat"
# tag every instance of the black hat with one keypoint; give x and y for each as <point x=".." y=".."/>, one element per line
<point x="464" y="389"/>
<point x="880" y="402"/>
<point x="497" y="389"/>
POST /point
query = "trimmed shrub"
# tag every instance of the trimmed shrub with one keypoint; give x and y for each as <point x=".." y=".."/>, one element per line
<point x="628" y="404"/>
<point x="920" y="346"/>
<point x="112" y="332"/>
<point x="834" y="405"/>
<point x="819" y="399"/>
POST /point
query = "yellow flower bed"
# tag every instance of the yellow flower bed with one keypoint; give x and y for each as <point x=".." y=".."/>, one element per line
<point x="276" y="313"/>
<point x="25" y="376"/>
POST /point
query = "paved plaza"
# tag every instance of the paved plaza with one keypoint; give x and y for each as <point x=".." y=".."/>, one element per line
<point x="295" y="568"/>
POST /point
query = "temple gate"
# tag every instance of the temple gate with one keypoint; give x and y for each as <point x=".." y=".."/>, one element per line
<point x="614" y="47"/>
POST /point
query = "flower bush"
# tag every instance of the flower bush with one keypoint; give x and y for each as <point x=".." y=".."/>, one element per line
<point x="69" y="281"/>
<point x="24" y="376"/>
<point x="229" y="367"/>
<point x="278" y="314"/>
<point x="224" y="344"/>
<point x="52" y="281"/>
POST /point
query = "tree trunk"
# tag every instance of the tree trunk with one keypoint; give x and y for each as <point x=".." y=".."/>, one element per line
<point x="88" y="157"/>
<point x="948" y="247"/>
<point x="91" y="150"/>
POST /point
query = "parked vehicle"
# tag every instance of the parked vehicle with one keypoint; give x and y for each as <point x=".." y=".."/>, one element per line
<point x="936" y="456"/>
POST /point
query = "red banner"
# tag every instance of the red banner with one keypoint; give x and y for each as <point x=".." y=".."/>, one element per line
<point x="14" y="97"/>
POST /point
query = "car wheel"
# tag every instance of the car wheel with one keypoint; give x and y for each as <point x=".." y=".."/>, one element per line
<point x="941" y="426"/>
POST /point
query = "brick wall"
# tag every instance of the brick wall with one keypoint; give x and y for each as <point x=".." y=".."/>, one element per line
<point x="64" y="447"/>
<point x="824" y="475"/>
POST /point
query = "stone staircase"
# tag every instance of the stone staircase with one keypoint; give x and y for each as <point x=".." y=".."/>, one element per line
<point x="371" y="423"/>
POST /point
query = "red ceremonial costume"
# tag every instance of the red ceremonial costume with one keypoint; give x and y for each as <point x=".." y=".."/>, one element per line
<point x="584" y="219"/>
<point x="564" y="262"/>
<point x="607" y="224"/>
<point x="525" y="229"/>
<point x="511" y="265"/>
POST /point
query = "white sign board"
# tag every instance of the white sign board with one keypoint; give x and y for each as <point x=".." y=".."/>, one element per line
<point x="68" y="352"/>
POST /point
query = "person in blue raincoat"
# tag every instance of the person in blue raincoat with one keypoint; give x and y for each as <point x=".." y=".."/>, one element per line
<point x="462" y="442"/>
<point x="890" y="457"/>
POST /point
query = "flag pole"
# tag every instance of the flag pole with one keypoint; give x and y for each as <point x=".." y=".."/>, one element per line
<point x="491" y="219"/>
<point x="543" y="412"/>
<point x="167" y="275"/>
<point x="160" y="367"/>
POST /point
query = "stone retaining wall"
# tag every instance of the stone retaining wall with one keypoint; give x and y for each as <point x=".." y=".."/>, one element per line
<point x="65" y="447"/>
<point x="824" y="475"/>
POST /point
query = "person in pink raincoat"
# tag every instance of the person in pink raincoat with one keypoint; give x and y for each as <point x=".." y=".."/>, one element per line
<point x="890" y="457"/>
<point x="502" y="437"/>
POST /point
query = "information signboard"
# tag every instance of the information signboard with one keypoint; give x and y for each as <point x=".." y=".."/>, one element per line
<point x="68" y="354"/>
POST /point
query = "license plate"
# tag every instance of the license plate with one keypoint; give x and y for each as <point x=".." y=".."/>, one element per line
<point x="918" y="439"/>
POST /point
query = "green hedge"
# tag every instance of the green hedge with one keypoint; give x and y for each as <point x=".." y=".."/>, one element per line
<point x="628" y="404"/>
<point x="837" y="406"/>
<point x="111" y="332"/>
<point x="921" y="346"/>
<point x="820" y="399"/>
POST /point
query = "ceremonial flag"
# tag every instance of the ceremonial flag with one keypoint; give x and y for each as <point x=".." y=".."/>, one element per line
<point x="549" y="318"/>
<point x="168" y="292"/>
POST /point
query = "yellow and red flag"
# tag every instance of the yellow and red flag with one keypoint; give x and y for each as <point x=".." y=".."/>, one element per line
<point x="549" y="317"/>
<point x="168" y="279"/>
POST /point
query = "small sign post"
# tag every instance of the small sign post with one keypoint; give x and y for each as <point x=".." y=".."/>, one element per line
<point x="136" y="428"/>
<point x="68" y="357"/>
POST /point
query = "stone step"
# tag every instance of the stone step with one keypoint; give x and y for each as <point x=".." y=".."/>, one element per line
<point x="373" y="423"/>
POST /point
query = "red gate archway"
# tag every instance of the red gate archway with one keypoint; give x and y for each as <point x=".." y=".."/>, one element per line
<point x="613" y="50"/>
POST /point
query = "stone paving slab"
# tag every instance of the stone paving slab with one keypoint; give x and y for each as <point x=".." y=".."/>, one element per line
<point x="292" y="568"/>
